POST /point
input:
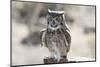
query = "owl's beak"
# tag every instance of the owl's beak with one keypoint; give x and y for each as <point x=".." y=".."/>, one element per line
<point x="53" y="22"/>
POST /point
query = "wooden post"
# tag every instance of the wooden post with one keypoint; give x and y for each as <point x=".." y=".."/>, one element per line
<point x="53" y="61"/>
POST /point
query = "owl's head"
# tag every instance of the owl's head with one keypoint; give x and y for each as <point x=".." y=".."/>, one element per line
<point x="55" y="19"/>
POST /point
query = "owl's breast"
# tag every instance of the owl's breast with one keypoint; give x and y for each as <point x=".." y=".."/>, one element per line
<point x="56" y="42"/>
<point x="55" y="38"/>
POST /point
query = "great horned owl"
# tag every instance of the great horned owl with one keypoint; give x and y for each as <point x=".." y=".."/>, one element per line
<point x="57" y="36"/>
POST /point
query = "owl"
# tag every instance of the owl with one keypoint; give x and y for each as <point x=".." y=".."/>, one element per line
<point x="57" y="36"/>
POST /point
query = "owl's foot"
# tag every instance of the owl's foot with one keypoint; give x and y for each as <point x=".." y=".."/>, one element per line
<point x="52" y="58"/>
<point x="63" y="59"/>
<point x="49" y="60"/>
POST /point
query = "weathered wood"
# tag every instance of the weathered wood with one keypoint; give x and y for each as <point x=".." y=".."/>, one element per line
<point x="52" y="61"/>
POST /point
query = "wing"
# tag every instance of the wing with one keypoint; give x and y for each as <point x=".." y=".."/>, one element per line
<point x="68" y="38"/>
<point x="66" y="32"/>
<point x="42" y="37"/>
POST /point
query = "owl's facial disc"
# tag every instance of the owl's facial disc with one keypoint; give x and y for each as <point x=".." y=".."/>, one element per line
<point x="54" y="22"/>
<point x="54" y="19"/>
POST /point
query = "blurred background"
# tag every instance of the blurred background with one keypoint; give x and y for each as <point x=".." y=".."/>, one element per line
<point x="29" y="18"/>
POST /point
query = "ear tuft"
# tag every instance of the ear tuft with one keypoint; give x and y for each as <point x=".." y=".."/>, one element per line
<point x="57" y="12"/>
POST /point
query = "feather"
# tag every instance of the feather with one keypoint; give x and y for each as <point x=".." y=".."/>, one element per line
<point x="42" y="37"/>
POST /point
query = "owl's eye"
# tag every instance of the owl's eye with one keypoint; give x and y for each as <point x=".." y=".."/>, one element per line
<point x="58" y="18"/>
<point x="49" y="19"/>
<point x="61" y="23"/>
